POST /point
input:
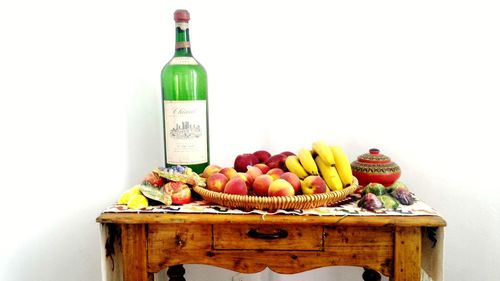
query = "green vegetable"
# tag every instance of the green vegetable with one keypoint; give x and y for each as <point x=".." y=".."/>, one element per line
<point x="397" y="184"/>
<point x="389" y="202"/>
<point x="375" y="188"/>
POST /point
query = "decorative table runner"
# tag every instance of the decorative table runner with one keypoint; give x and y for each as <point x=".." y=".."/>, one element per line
<point x="346" y="207"/>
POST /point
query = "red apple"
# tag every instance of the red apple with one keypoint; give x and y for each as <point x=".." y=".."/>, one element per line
<point x="243" y="160"/>
<point x="275" y="173"/>
<point x="261" y="184"/>
<point x="287" y="153"/>
<point x="262" y="155"/>
<point x="276" y="161"/>
<point x="216" y="182"/>
<point x="236" y="185"/>
<point x="280" y="187"/>
<point x="154" y="179"/>
<point x="180" y="192"/>
<point x="313" y="185"/>
<point x="293" y="179"/>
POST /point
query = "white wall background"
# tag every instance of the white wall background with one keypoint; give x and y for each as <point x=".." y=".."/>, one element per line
<point x="81" y="122"/>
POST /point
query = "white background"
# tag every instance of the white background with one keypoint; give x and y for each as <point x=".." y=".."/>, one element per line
<point x="81" y="121"/>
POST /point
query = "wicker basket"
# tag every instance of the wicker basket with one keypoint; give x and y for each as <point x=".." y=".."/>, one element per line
<point x="275" y="202"/>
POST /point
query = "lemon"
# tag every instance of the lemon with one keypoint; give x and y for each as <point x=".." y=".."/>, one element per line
<point x="136" y="189"/>
<point x="137" y="201"/>
<point x="124" y="197"/>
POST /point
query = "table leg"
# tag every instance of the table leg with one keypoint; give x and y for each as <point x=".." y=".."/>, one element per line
<point x="371" y="275"/>
<point x="407" y="252"/>
<point x="134" y="252"/>
<point x="176" y="273"/>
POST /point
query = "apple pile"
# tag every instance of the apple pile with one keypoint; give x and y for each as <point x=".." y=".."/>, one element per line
<point x="261" y="174"/>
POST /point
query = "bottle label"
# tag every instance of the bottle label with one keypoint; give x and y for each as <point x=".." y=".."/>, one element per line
<point x="186" y="132"/>
<point x="183" y="61"/>
<point x="181" y="45"/>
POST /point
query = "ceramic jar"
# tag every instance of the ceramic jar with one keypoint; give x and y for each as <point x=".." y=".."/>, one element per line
<point x="375" y="167"/>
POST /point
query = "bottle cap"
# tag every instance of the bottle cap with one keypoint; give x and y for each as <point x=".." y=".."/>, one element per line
<point x="181" y="16"/>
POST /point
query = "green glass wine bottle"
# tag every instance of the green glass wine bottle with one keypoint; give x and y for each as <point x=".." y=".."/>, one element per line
<point x="185" y="103"/>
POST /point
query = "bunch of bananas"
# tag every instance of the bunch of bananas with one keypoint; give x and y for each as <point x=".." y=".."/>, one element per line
<point x="328" y="161"/>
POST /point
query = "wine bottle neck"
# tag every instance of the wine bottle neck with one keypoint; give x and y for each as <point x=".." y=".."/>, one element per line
<point x="182" y="43"/>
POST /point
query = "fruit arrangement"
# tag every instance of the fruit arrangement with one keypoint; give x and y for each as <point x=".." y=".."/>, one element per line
<point x="376" y="196"/>
<point x="168" y="186"/>
<point x="320" y="169"/>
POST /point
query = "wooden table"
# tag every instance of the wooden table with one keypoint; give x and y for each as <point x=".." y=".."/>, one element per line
<point x="147" y="243"/>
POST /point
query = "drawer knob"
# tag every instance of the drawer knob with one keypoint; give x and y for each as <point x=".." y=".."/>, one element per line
<point x="278" y="234"/>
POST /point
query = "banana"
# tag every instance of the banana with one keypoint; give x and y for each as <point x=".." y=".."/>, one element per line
<point x="342" y="164"/>
<point x="323" y="150"/>
<point x="307" y="161"/>
<point x="329" y="174"/>
<point x="293" y="165"/>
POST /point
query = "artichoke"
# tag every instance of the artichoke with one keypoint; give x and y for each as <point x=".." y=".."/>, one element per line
<point x="397" y="184"/>
<point x="389" y="202"/>
<point x="404" y="196"/>
<point x="370" y="202"/>
<point x="375" y="188"/>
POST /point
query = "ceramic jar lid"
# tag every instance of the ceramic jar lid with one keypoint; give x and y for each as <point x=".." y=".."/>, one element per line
<point x="375" y="167"/>
<point x="373" y="156"/>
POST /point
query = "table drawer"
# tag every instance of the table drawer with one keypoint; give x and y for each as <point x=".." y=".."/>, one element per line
<point x="369" y="237"/>
<point x="267" y="237"/>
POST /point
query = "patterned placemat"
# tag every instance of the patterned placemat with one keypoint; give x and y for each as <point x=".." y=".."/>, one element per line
<point x="345" y="207"/>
